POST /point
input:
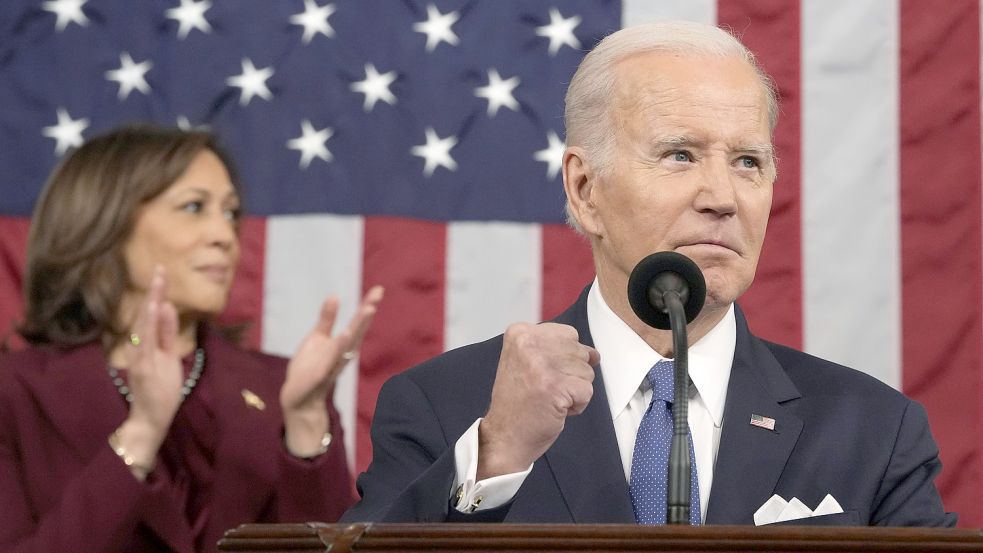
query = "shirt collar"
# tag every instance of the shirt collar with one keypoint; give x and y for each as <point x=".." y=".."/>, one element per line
<point x="626" y="358"/>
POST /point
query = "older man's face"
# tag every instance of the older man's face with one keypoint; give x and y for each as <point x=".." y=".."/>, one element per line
<point x="691" y="171"/>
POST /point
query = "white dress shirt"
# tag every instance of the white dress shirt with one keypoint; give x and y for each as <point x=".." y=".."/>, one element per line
<point x="625" y="360"/>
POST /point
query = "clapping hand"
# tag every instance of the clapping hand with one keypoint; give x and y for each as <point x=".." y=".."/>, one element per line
<point x="154" y="378"/>
<point x="313" y="369"/>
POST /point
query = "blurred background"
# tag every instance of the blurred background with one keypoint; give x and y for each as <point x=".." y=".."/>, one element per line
<point x="416" y="144"/>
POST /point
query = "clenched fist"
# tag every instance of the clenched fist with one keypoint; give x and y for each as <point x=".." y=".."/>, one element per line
<point x="544" y="375"/>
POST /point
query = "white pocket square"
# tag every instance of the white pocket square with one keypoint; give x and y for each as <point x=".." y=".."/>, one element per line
<point x="777" y="509"/>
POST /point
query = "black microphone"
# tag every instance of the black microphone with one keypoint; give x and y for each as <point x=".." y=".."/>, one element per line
<point x="667" y="290"/>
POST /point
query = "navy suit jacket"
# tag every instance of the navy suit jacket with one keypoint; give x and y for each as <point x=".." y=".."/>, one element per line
<point x="837" y="431"/>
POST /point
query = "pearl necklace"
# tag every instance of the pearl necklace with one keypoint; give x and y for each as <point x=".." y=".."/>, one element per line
<point x="189" y="383"/>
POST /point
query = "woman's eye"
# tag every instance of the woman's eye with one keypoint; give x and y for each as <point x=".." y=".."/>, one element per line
<point x="193" y="207"/>
<point x="233" y="214"/>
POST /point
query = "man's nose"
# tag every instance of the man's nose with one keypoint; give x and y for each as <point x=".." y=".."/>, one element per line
<point x="717" y="192"/>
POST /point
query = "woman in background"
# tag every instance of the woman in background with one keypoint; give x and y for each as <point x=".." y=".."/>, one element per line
<point x="132" y="423"/>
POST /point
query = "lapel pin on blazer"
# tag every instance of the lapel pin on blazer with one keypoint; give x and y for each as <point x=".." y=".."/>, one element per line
<point x="253" y="400"/>
<point x="767" y="423"/>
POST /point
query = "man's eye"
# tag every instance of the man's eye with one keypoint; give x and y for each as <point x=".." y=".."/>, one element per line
<point x="748" y="162"/>
<point x="681" y="156"/>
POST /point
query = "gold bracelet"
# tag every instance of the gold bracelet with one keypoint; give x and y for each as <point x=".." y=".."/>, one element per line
<point x="121" y="452"/>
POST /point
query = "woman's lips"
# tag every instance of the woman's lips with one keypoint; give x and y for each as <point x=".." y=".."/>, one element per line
<point x="217" y="273"/>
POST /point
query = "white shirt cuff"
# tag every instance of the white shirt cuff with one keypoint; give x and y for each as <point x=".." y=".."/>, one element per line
<point x="470" y="496"/>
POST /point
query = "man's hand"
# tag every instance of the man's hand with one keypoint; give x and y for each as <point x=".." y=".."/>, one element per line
<point x="544" y="375"/>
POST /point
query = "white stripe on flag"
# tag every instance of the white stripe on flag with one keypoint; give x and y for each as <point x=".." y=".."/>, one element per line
<point x="494" y="278"/>
<point x="850" y="184"/>
<point x="308" y="258"/>
<point x="634" y="12"/>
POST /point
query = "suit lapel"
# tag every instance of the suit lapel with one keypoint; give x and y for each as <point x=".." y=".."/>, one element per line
<point x="585" y="459"/>
<point x="76" y="394"/>
<point x="587" y="466"/>
<point x="750" y="459"/>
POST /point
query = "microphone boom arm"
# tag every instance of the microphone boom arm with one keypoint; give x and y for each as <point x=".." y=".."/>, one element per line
<point x="666" y="290"/>
<point x="678" y="491"/>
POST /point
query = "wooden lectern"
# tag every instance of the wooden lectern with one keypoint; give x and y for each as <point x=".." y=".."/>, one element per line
<point x="547" y="538"/>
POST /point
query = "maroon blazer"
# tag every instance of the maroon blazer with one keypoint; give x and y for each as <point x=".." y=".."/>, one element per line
<point x="63" y="489"/>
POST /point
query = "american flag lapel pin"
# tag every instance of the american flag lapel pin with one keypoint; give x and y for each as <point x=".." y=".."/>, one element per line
<point x="767" y="423"/>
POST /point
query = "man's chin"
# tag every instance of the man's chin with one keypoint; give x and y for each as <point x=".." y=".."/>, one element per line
<point x="721" y="291"/>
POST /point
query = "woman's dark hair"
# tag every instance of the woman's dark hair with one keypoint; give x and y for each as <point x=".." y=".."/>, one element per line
<point x="76" y="273"/>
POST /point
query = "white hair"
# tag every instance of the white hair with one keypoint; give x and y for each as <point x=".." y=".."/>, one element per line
<point x="588" y="98"/>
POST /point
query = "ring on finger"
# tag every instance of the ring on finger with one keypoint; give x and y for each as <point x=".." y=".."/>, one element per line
<point x="348" y="355"/>
<point x="134" y="339"/>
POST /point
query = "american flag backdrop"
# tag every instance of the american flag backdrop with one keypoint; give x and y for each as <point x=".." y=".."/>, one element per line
<point x="416" y="144"/>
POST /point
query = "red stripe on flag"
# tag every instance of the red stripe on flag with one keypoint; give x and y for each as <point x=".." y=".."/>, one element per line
<point x="13" y="260"/>
<point x="940" y="236"/>
<point x="771" y="29"/>
<point x="567" y="267"/>
<point x="408" y="258"/>
<point x="246" y="297"/>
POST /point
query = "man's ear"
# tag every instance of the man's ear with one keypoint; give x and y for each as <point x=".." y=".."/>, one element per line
<point x="579" y="183"/>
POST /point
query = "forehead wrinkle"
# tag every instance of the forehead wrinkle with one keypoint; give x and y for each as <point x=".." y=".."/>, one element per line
<point x="654" y="83"/>
<point x="665" y="107"/>
<point x="658" y="92"/>
<point x="658" y="112"/>
<point x="680" y="140"/>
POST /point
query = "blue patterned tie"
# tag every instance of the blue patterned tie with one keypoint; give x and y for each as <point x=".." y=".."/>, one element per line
<point x="650" y="462"/>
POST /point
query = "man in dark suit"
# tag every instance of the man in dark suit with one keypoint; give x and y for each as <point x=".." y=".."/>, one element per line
<point x="669" y="148"/>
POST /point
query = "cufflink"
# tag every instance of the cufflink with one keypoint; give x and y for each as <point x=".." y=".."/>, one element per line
<point x="474" y="503"/>
<point x="459" y="496"/>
